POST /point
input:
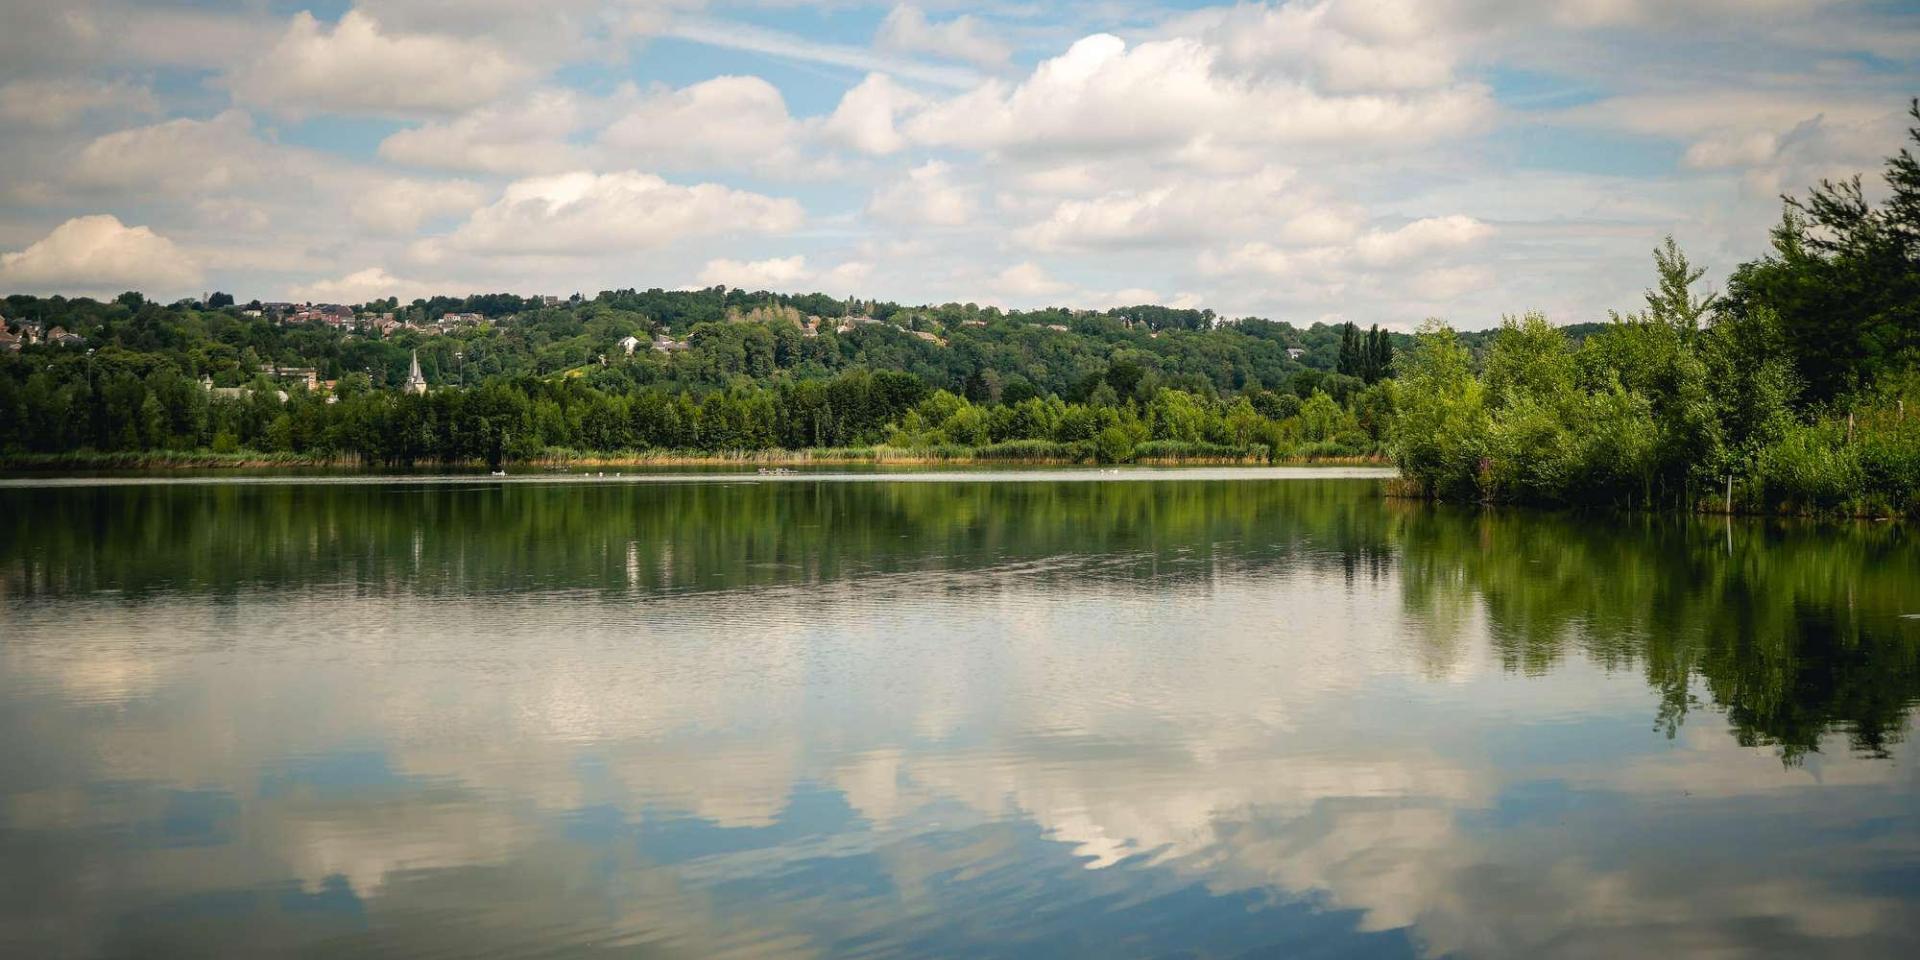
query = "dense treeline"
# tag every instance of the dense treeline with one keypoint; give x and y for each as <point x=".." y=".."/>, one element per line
<point x="108" y="403"/>
<point x="744" y="372"/>
<point x="725" y="335"/>
<point x="1792" y="392"/>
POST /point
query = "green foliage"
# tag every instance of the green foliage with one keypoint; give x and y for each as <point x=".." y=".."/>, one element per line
<point x="1844" y="280"/>
<point x="1440" y="431"/>
<point x="743" y="375"/>
<point x="1794" y="389"/>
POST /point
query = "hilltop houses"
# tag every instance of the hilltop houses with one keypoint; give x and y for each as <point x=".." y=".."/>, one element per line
<point x="847" y="325"/>
<point x="628" y="344"/>
<point x="332" y="314"/>
<point x="306" y="376"/>
<point x="234" y="393"/>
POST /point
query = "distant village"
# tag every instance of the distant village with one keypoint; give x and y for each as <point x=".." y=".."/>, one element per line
<point x="356" y="322"/>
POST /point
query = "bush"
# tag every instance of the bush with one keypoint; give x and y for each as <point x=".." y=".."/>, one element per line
<point x="1113" y="445"/>
<point x="1811" y="469"/>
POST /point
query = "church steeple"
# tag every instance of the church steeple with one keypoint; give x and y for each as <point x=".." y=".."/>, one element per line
<point x="415" y="382"/>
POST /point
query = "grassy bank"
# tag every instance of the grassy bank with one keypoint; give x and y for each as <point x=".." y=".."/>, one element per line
<point x="1014" y="453"/>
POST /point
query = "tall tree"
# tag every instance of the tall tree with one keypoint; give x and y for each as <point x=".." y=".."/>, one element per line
<point x="1349" y="360"/>
<point x="1673" y="302"/>
<point x="1843" y="278"/>
<point x="1383" y="356"/>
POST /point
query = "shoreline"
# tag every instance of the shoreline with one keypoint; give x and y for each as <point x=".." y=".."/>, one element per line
<point x="166" y="461"/>
<point x="1401" y="488"/>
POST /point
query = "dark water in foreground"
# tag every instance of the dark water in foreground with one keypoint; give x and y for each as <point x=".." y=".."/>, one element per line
<point x="1192" y="717"/>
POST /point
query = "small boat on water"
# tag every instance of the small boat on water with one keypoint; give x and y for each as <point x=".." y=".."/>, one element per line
<point x="774" y="471"/>
<point x="499" y="473"/>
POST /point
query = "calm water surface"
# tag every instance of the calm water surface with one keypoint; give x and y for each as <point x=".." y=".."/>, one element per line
<point x="1211" y="714"/>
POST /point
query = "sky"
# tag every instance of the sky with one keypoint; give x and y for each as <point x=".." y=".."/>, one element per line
<point x="1380" y="161"/>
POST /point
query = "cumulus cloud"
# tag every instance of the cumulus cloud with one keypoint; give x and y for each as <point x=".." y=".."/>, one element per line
<point x="400" y="206"/>
<point x="866" y="116"/>
<point x="786" y="273"/>
<point x="359" y="67"/>
<point x="1781" y="140"/>
<point x="1419" y="241"/>
<point x="1166" y="95"/>
<point x="1115" y="163"/>
<point x="585" y="213"/>
<point x="926" y="196"/>
<point x="729" y="121"/>
<point x="780" y="273"/>
<point x="1180" y="210"/>
<point x="57" y="103"/>
<point x="907" y="29"/>
<point x="527" y="135"/>
<point x="99" y="255"/>
<point x="1027" y="280"/>
<point x="360" y="286"/>
<point x="1441" y="284"/>
<point x="1338" y="46"/>
<point x="177" y="156"/>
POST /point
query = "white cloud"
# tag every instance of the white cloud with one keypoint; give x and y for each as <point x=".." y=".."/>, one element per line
<point x="925" y="197"/>
<point x="1782" y="140"/>
<point x="177" y="156"/>
<point x="865" y="118"/>
<point x="98" y="255"/>
<point x="1421" y="241"/>
<point x="232" y="215"/>
<point x="528" y="135"/>
<point x="729" y="121"/>
<point x="1166" y="96"/>
<point x="787" y="274"/>
<point x="57" y="103"/>
<point x="780" y="273"/>
<point x="907" y="29"/>
<point x="358" y="67"/>
<point x="1124" y="297"/>
<point x="1026" y="281"/>
<point x="1339" y="46"/>
<point x="1420" y="238"/>
<point x="844" y="278"/>
<point x="372" y="283"/>
<point x="1182" y="209"/>
<point x="1442" y="284"/>
<point x="400" y="206"/>
<point x="586" y="214"/>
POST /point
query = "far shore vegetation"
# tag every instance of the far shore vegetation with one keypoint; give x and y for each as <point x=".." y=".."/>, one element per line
<point x="1011" y="453"/>
<point x="1790" y="391"/>
<point x="1797" y="390"/>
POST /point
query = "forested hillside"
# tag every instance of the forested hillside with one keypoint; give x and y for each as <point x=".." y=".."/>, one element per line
<point x="702" y="370"/>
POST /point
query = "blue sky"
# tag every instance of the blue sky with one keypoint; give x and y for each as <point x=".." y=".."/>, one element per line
<point x="1375" y="160"/>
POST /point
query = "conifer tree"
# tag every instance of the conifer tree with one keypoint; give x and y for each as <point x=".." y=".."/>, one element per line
<point x="1349" y="362"/>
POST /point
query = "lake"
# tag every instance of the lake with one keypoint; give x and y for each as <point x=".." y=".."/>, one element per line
<point x="1217" y="713"/>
